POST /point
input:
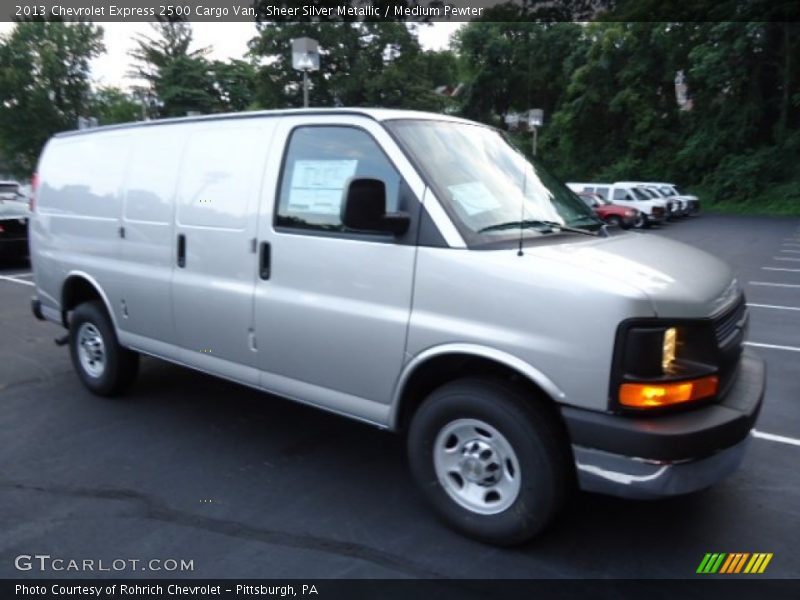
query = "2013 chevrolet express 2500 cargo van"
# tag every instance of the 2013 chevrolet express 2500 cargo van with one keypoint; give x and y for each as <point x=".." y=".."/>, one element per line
<point x="412" y="271"/>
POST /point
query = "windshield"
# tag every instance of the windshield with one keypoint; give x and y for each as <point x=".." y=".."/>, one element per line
<point x="667" y="191"/>
<point x="489" y="189"/>
<point x="654" y="192"/>
<point x="601" y="200"/>
<point x="590" y="200"/>
<point x="640" y="194"/>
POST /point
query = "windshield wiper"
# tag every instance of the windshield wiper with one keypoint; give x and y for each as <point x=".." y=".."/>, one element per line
<point x="540" y="226"/>
<point x="556" y="225"/>
<point x="528" y="224"/>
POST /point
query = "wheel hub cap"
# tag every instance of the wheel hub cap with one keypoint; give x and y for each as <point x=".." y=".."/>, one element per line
<point x="479" y="463"/>
<point x="477" y="466"/>
<point x="91" y="350"/>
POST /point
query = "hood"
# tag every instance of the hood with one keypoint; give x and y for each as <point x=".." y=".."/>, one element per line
<point x="679" y="280"/>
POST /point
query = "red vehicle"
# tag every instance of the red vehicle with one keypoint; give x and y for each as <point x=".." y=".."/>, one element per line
<point x="613" y="214"/>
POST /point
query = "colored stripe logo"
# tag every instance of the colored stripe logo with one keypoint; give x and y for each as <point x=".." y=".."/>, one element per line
<point x="734" y="562"/>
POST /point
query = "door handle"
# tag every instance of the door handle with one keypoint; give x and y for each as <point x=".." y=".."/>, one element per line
<point x="264" y="257"/>
<point x="181" y="250"/>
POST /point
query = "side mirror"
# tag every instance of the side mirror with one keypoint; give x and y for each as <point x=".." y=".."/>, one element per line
<point x="364" y="208"/>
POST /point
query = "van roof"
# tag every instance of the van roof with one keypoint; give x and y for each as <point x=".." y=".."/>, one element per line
<point x="378" y="114"/>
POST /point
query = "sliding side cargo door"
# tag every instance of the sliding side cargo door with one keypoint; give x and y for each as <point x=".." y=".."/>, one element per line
<point x="215" y="259"/>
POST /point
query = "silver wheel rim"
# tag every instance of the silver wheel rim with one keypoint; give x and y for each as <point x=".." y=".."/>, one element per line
<point x="91" y="350"/>
<point x="477" y="466"/>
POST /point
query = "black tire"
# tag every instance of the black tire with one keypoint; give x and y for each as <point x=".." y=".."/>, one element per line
<point x="640" y="222"/>
<point x="614" y="221"/>
<point x="120" y="364"/>
<point x="546" y="467"/>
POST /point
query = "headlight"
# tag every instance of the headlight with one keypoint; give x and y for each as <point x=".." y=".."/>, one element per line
<point x="668" y="349"/>
<point x="629" y="213"/>
<point x="659" y="364"/>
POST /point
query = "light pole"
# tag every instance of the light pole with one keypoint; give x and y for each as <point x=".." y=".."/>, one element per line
<point x="305" y="58"/>
<point x="535" y="120"/>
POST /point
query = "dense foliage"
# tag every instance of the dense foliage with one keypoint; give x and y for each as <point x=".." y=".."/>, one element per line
<point x="44" y="85"/>
<point x="607" y="89"/>
<point x="368" y="64"/>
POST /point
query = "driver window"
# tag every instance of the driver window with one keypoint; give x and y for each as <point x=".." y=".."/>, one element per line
<point x="319" y="162"/>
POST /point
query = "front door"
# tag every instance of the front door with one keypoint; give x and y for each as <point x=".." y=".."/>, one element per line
<point x="332" y="309"/>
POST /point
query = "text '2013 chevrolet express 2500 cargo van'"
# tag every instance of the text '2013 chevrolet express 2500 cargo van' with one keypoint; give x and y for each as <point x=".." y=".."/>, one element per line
<point x="413" y="271"/>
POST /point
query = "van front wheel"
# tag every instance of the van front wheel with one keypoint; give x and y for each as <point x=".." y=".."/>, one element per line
<point x="104" y="367"/>
<point x="493" y="462"/>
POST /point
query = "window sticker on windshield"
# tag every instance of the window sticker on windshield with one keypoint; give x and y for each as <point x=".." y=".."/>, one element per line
<point x="474" y="197"/>
<point x="317" y="185"/>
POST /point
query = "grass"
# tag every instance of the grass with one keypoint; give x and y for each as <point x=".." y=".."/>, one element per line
<point x="782" y="200"/>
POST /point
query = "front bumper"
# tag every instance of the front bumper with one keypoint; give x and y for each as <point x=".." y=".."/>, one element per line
<point x="667" y="455"/>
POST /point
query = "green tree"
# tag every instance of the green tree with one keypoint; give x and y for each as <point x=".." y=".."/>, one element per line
<point x="619" y="118"/>
<point x="112" y="105"/>
<point x="514" y="66"/>
<point x="361" y="64"/>
<point x="234" y="84"/>
<point x="177" y="80"/>
<point x="44" y="85"/>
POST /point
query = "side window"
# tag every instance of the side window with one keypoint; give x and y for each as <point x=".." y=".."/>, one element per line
<point x="620" y="194"/>
<point x="318" y="164"/>
<point x="603" y="191"/>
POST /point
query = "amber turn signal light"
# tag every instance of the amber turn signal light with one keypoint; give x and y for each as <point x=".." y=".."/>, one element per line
<point x="653" y="395"/>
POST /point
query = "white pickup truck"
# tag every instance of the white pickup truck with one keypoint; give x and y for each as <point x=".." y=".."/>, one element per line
<point x="13" y="220"/>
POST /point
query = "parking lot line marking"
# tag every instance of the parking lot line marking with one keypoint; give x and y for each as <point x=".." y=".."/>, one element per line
<point x="782" y="439"/>
<point x="772" y="346"/>
<point x="773" y="284"/>
<point x="22" y="281"/>
<point x="785" y="258"/>
<point x="775" y="306"/>
<point x="792" y="251"/>
<point x="781" y="269"/>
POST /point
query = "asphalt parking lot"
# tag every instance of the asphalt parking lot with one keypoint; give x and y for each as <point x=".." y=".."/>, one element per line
<point x="246" y="485"/>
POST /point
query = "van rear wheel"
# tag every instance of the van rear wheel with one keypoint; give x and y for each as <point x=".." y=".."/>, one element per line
<point x="104" y="367"/>
<point x="494" y="462"/>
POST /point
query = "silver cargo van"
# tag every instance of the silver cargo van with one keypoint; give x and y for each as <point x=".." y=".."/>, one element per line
<point x="412" y="271"/>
